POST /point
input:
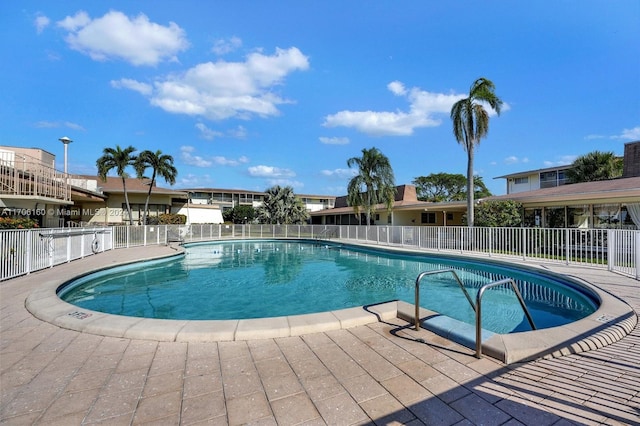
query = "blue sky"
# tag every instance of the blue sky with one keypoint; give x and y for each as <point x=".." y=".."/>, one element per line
<point x="250" y="94"/>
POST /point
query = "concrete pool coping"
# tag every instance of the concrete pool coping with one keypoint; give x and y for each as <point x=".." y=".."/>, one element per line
<point x="613" y="320"/>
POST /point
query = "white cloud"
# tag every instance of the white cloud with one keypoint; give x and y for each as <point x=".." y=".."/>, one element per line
<point x="424" y="108"/>
<point x="73" y="126"/>
<point x="239" y="132"/>
<point x="339" y="173"/>
<point x="207" y="133"/>
<point x="57" y="124"/>
<point x="116" y="36"/>
<point x="270" y="172"/>
<point x="334" y="140"/>
<point x="222" y="46"/>
<point x="296" y="185"/>
<point x="631" y="134"/>
<point x="188" y="157"/>
<point x="41" y="22"/>
<point x="127" y="83"/>
<point x="397" y="88"/>
<point x="514" y="160"/>
<point x="223" y="161"/>
<point x="221" y="90"/>
<point x="210" y="134"/>
<point x="193" y="181"/>
<point x="186" y="154"/>
<point x="561" y="161"/>
<point x="72" y="23"/>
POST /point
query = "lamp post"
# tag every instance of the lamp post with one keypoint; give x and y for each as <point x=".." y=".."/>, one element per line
<point x="66" y="141"/>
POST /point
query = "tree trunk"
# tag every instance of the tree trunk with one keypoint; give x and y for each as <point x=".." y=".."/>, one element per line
<point x="126" y="200"/>
<point x="146" y="203"/>
<point x="470" y="185"/>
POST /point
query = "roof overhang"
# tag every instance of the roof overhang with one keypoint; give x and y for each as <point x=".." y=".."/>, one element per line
<point x="6" y="200"/>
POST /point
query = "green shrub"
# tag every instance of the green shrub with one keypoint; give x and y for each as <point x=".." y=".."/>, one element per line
<point x="18" y="223"/>
<point x="172" y="219"/>
<point x="506" y="213"/>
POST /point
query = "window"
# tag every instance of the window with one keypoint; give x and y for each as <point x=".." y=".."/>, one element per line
<point x="138" y="209"/>
<point x="548" y="179"/>
<point x="521" y="180"/>
<point x="554" y="217"/>
<point x="578" y="216"/>
<point x="562" y="179"/>
<point x="611" y="216"/>
<point x="532" y="218"/>
<point x="428" y="218"/>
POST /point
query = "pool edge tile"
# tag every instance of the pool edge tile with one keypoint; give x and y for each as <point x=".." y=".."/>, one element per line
<point x="155" y="329"/>
<point x="262" y="328"/>
<point x="208" y="331"/>
<point x="313" y="323"/>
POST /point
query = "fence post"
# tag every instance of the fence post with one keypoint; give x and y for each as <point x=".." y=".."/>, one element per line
<point x="29" y="244"/>
<point x="491" y="240"/>
<point x="637" y="265"/>
<point x="69" y="248"/>
<point x="611" y="241"/>
<point x="567" y="248"/>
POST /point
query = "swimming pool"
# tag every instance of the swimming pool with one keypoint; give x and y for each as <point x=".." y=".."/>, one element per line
<point x="257" y="279"/>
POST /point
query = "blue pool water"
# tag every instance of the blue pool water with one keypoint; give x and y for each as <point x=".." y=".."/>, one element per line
<point x="256" y="279"/>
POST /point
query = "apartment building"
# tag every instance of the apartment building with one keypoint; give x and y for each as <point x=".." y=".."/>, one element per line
<point x="229" y="198"/>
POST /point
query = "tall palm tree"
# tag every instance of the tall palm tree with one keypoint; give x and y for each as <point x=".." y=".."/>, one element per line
<point x="160" y="165"/>
<point x="119" y="159"/>
<point x="281" y="206"/>
<point x="596" y="165"/>
<point x="374" y="183"/>
<point x="470" y="124"/>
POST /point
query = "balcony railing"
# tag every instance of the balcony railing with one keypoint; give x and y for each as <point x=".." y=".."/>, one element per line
<point x="27" y="176"/>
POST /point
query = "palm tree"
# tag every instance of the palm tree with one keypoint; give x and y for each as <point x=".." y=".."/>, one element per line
<point x="374" y="184"/>
<point x="594" y="166"/>
<point x="470" y="124"/>
<point x="161" y="165"/>
<point x="119" y="159"/>
<point x="281" y="206"/>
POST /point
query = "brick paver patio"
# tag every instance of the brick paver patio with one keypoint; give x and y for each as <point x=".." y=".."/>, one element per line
<point x="375" y="374"/>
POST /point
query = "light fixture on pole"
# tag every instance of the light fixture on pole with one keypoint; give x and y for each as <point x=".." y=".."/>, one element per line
<point x="66" y="141"/>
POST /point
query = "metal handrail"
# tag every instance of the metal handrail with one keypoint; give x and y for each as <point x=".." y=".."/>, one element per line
<point x="439" y="271"/>
<point x="477" y="307"/>
<point x="82" y="231"/>
<point x="325" y="233"/>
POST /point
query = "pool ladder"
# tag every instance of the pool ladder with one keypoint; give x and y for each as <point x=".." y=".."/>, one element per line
<point x="477" y="307"/>
<point x="326" y="234"/>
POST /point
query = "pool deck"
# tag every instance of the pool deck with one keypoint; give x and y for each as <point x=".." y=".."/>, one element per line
<point x="373" y="373"/>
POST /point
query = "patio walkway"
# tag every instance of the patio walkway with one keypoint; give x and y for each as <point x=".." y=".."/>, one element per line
<point x="375" y="374"/>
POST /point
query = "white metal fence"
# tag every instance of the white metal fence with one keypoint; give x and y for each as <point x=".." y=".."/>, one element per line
<point x="25" y="251"/>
